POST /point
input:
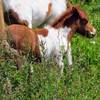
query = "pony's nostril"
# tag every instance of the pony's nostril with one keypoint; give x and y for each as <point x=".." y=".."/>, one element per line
<point x="93" y="33"/>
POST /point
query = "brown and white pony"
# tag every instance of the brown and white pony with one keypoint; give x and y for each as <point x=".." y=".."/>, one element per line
<point x="61" y="32"/>
<point x="56" y="39"/>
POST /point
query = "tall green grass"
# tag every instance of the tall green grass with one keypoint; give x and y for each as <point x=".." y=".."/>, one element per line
<point x="45" y="83"/>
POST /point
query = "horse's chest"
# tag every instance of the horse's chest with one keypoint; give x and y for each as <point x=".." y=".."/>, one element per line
<point x="52" y="45"/>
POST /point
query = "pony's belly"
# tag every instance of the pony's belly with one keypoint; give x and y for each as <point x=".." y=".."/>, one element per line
<point x="40" y="12"/>
<point x="35" y="12"/>
<point x="36" y="21"/>
<point x="41" y="9"/>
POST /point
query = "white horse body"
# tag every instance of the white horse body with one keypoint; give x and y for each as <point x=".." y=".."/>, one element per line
<point x="35" y="11"/>
<point x="56" y="44"/>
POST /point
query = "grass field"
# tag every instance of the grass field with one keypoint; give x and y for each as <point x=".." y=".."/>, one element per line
<point x="45" y="83"/>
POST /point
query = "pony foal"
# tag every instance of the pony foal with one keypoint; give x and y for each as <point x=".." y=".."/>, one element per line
<point x="56" y="44"/>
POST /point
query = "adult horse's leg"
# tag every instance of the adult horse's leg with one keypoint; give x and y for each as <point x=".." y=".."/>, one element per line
<point x="69" y="55"/>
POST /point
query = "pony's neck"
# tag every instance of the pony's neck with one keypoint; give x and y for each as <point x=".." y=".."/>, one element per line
<point x="69" y="21"/>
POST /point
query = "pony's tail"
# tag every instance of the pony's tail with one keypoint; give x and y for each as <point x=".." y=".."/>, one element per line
<point x="41" y="31"/>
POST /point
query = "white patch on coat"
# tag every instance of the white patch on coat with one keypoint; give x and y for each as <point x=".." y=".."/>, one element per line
<point x="56" y="44"/>
<point x="35" y="11"/>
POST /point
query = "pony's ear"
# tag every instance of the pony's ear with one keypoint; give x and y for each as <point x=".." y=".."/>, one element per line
<point x="81" y="13"/>
<point x="74" y="9"/>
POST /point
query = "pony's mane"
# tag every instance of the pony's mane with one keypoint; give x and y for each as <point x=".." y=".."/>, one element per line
<point x="61" y="18"/>
<point x="67" y="14"/>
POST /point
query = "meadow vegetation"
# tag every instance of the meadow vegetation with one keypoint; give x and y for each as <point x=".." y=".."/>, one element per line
<point x="43" y="81"/>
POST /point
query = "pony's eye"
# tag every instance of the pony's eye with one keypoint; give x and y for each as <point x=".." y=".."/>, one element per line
<point x="83" y="21"/>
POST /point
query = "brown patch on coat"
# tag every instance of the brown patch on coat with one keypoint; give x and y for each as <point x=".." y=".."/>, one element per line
<point x="11" y="17"/>
<point x="41" y="31"/>
<point x="23" y="39"/>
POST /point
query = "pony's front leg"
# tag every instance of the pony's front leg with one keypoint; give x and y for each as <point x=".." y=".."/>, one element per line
<point x="69" y="55"/>
<point x="59" y="61"/>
